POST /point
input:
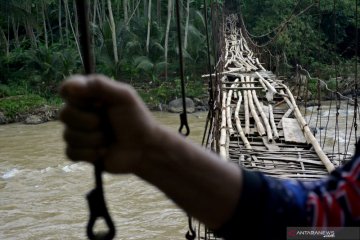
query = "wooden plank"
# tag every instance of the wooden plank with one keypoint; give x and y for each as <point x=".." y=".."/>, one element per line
<point x="270" y="146"/>
<point x="292" y="131"/>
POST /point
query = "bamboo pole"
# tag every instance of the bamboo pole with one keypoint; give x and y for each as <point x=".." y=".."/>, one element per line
<point x="222" y="140"/>
<point x="263" y="84"/>
<point x="228" y="108"/>
<point x="231" y="70"/>
<point x="259" y="125"/>
<point x="308" y="134"/>
<point x="246" y="110"/>
<point x="263" y="115"/>
<point x="260" y="65"/>
<point x="288" y="112"/>
<point x="238" y="123"/>
<point x="272" y="121"/>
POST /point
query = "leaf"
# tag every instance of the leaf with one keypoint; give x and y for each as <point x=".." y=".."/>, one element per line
<point x="143" y="63"/>
<point x="201" y="17"/>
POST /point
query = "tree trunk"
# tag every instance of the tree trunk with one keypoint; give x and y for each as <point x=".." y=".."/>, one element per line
<point x="94" y="11"/>
<point x="66" y="21"/>
<point x="15" y="26"/>
<point x="76" y="22"/>
<point x="44" y="25"/>
<point x="67" y="11"/>
<point x="145" y="8"/>
<point x="6" y="42"/>
<point x="166" y="45"/>
<point x="187" y="24"/>
<point x="29" y="28"/>
<point x="60" y="23"/>
<point x="30" y="32"/>
<point x="148" y="28"/>
<point x="126" y="16"/>
<point x="98" y="9"/>
<point x="48" y="22"/>
<point x="158" y="11"/>
<point x="113" y="32"/>
<point x="103" y="11"/>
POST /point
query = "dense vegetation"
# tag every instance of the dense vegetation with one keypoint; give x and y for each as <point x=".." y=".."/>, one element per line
<point x="135" y="41"/>
<point x="318" y="35"/>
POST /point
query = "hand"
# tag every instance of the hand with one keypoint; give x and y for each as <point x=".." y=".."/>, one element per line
<point x="106" y="119"/>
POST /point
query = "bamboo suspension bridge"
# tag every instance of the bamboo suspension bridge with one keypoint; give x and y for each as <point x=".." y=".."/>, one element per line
<point x="260" y="124"/>
<point x="255" y="120"/>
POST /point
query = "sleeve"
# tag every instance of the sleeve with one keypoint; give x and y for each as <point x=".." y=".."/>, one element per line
<point x="268" y="205"/>
<point x="336" y="201"/>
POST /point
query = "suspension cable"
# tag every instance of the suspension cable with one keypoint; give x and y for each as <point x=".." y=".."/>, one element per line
<point x="346" y="128"/>
<point x="337" y="132"/>
<point x="191" y="234"/>
<point x="210" y="82"/>
<point x="95" y="197"/>
<point x="318" y="119"/>
<point x="356" y="66"/>
<point x="183" y="115"/>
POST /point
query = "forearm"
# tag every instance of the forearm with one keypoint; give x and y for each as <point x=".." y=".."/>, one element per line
<point x="201" y="183"/>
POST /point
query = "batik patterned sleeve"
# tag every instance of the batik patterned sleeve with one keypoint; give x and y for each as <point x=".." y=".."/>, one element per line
<point x="268" y="205"/>
<point x="336" y="201"/>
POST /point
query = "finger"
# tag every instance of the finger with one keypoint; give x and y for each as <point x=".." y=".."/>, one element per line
<point x="93" y="89"/>
<point x="74" y="91"/>
<point x="111" y="92"/>
<point x="82" y="139"/>
<point x="82" y="154"/>
<point x="79" y="119"/>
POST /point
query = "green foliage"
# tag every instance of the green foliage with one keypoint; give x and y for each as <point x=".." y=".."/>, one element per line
<point x="36" y="66"/>
<point x="308" y="38"/>
<point x="167" y="91"/>
<point x="11" y="106"/>
<point x="312" y="86"/>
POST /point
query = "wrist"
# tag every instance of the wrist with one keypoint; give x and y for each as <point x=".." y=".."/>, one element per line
<point x="155" y="146"/>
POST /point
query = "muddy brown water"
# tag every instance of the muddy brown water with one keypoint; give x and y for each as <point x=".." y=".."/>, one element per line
<point x="42" y="194"/>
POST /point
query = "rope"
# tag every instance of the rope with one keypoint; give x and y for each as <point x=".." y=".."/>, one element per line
<point x="318" y="83"/>
<point x="346" y="127"/>
<point x="337" y="133"/>
<point x="217" y="93"/>
<point x="183" y="115"/>
<point x="211" y="90"/>
<point x="191" y="234"/>
<point x="327" y="123"/>
<point x="356" y="67"/>
<point x="210" y="82"/>
<point x="95" y="197"/>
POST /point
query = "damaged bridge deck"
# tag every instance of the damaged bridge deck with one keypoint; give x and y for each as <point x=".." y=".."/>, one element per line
<point x="260" y="125"/>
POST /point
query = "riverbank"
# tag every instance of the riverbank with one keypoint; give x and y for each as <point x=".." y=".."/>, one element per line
<point x="29" y="109"/>
<point x="34" y="109"/>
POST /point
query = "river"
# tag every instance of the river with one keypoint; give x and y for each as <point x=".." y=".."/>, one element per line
<point x="334" y="133"/>
<point x="42" y="194"/>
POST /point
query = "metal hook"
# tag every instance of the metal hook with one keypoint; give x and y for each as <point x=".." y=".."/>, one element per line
<point x="98" y="208"/>
<point x="191" y="234"/>
<point x="184" y="123"/>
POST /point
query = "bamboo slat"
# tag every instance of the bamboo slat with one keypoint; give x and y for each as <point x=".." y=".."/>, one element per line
<point x="329" y="166"/>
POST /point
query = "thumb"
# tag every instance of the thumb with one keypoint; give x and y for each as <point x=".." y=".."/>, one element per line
<point x="83" y="90"/>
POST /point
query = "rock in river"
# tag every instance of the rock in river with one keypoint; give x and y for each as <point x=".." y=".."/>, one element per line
<point x="175" y="106"/>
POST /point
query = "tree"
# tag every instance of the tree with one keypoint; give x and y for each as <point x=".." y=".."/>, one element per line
<point x="166" y="45"/>
<point x="113" y="32"/>
<point x="149" y="27"/>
